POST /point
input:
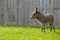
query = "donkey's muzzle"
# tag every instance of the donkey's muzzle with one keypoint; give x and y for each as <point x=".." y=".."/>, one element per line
<point x="31" y="17"/>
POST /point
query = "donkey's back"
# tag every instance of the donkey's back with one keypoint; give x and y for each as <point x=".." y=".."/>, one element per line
<point x="49" y="17"/>
<point x="49" y="14"/>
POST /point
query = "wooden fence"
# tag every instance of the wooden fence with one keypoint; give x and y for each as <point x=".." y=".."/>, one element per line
<point x="19" y="11"/>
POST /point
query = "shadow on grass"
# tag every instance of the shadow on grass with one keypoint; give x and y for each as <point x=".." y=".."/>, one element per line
<point x="57" y="33"/>
<point x="25" y="26"/>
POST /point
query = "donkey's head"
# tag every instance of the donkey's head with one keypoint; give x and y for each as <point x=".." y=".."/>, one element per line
<point x="34" y="13"/>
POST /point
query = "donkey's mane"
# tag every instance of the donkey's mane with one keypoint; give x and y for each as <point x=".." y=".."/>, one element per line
<point x="40" y="17"/>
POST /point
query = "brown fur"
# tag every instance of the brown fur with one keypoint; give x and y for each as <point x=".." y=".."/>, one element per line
<point x="44" y="19"/>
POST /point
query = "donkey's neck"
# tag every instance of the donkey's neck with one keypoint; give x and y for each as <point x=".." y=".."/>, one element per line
<point x="41" y="18"/>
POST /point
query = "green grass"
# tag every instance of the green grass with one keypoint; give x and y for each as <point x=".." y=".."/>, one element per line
<point x="8" y="32"/>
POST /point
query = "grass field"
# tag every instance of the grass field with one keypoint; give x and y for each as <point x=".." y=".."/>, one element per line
<point x="8" y="32"/>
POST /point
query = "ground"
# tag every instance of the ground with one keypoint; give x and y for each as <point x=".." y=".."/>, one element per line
<point x="8" y="32"/>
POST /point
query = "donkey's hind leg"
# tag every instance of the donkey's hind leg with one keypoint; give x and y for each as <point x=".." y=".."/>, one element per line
<point x="50" y="27"/>
<point x="54" y="28"/>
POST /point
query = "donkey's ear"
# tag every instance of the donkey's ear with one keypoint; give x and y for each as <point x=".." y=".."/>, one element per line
<point x="36" y="8"/>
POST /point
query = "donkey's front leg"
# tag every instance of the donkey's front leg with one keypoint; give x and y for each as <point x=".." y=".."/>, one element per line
<point x="54" y="28"/>
<point x="43" y="27"/>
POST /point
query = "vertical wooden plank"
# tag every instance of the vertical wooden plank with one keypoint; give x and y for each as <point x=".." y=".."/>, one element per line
<point x="45" y="4"/>
<point x="42" y="6"/>
<point x="1" y="11"/>
<point x="27" y="13"/>
<point x="2" y="15"/>
<point x="11" y="12"/>
<point x="15" y="11"/>
<point x="5" y="11"/>
<point x="20" y="12"/>
<point x="58" y="3"/>
<point x="30" y="12"/>
<point x="8" y="9"/>
<point x="24" y="12"/>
